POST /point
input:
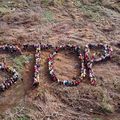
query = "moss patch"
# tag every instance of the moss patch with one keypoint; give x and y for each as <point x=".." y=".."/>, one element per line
<point x="23" y="118"/>
<point x="48" y="15"/>
<point x="20" y="61"/>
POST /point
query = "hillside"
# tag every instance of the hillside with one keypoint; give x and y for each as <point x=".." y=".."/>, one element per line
<point x="58" y="22"/>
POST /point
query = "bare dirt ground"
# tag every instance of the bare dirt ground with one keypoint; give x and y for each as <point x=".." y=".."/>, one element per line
<point x="57" y="22"/>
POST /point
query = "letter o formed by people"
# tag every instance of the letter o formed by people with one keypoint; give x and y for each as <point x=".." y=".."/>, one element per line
<point x="75" y="49"/>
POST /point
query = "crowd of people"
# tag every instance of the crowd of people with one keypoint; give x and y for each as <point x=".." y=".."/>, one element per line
<point x="14" y="50"/>
<point x="37" y="48"/>
<point x="86" y="61"/>
<point x="9" y="81"/>
<point x="90" y="60"/>
<point x="75" y="49"/>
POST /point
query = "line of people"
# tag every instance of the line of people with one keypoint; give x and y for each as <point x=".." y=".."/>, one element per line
<point x="13" y="49"/>
<point x="31" y="47"/>
<point x="9" y="81"/>
<point x="37" y="66"/>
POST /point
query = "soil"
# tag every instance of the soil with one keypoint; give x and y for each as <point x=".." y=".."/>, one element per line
<point x="59" y="22"/>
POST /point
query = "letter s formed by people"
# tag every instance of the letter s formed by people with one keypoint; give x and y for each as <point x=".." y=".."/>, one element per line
<point x="13" y="50"/>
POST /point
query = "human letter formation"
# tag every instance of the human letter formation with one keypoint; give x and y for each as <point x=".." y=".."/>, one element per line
<point x="85" y="59"/>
